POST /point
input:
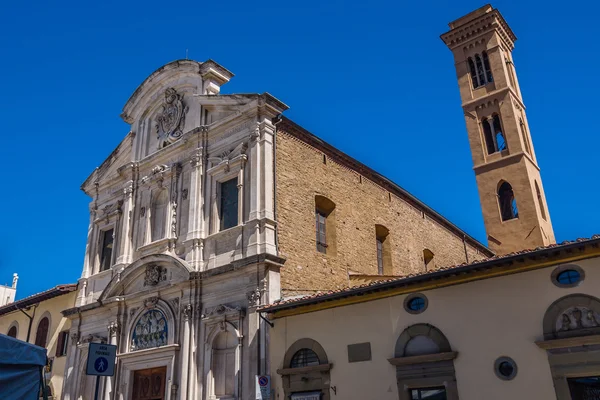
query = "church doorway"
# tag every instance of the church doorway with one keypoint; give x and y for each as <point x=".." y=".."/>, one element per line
<point x="149" y="384"/>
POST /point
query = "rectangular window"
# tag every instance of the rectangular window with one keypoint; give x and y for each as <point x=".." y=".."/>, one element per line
<point x="107" y="248"/>
<point x="321" y="221"/>
<point x="61" y="346"/>
<point x="229" y="204"/>
<point x="434" y="393"/>
<point x="379" y="256"/>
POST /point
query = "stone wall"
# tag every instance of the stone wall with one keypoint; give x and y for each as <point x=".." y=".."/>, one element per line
<point x="304" y="171"/>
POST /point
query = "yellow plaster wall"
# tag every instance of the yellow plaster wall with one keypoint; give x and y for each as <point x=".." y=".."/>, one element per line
<point x="482" y="320"/>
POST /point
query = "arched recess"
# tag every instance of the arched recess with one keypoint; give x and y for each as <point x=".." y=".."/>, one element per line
<point x="13" y="329"/>
<point x="424" y="360"/>
<point x="312" y="378"/>
<point x="222" y="360"/>
<point x="176" y="270"/>
<point x="540" y="200"/>
<point x="158" y="215"/>
<point x="42" y="330"/>
<point x="571" y="329"/>
<point x="571" y="316"/>
<point x="153" y="304"/>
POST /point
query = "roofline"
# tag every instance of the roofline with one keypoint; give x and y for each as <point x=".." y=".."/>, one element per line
<point x="379" y="179"/>
<point x="38" y="298"/>
<point x="496" y="262"/>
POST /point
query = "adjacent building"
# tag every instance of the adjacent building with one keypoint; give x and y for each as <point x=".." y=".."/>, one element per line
<point x="524" y="324"/>
<point x="8" y="293"/>
<point x="37" y="319"/>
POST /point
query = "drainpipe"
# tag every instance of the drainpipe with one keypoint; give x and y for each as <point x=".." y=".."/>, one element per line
<point x="30" y="319"/>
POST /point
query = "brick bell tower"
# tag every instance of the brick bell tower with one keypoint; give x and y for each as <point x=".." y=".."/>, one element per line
<point x="512" y="197"/>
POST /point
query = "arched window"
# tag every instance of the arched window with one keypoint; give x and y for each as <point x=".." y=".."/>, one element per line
<point x="490" y="144"/>
<point x="223" y="364"/>
<point x="424" y="364"/>
<point x="486" y="66"/>
<point x="480" y="71"/>
<point x="473" y="72"/>
<point x="41" y="335"/>
<point x="12" y="332"/>
<point x="525" y="137"/>
<point x="508" y="203"/>
<point x="384" y="257"/>
<point x="498" y="135"/>
<point x="304" y="358"/>
<point x="540" y="200"/>
<point x="325" y="225"/>
<point x="159" y="215"/>
<point x="428" y="258"/>
<point x="306" y="369"/>
<point x="151" y="330"/>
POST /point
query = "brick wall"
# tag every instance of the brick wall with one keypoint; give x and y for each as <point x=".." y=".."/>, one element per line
<point x="360" y="204"/>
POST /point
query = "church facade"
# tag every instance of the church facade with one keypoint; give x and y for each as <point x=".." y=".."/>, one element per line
<point x="213" y="205"/>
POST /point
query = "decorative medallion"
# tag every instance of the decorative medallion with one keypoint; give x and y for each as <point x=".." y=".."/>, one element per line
<point x="154" y="275"/>
<point x="171" y="120"/>
<point x="150" y="331"/>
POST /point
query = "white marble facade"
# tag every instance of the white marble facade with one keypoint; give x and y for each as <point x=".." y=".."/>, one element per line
<point x="164" y="278"/>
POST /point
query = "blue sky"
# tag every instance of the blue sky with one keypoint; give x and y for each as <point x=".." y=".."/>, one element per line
<point x="372" y="78"/>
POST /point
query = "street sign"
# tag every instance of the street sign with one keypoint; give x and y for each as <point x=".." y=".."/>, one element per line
<point x="101" y="359"/>
<point x="263" y="387"/>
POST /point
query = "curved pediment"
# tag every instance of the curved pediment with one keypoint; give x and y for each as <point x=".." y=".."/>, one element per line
<point x="146" y="274"/>
<point x="178" y="74"/>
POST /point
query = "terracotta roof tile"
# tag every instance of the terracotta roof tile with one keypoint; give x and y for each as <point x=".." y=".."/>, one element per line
<point x="482" y="262"/>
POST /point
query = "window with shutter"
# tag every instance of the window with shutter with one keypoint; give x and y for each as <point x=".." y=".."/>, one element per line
<point x="41" y="334"/>
<point x="61" y="346"/>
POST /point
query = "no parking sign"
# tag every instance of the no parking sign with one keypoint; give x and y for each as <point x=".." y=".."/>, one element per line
<point x="263" y="387"/>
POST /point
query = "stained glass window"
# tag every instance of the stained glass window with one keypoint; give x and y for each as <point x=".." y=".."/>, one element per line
<point x="150" y="331"/>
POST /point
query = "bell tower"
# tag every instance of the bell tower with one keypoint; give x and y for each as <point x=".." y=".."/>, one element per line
<point x="508" y="177"/>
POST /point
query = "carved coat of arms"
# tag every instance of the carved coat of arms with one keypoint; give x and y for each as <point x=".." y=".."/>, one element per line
<point x="171" y="120"/>
<point x="154" y="275"/>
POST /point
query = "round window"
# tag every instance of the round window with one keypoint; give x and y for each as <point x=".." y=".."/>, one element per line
<point x="567" y="276"/>
<point x="505" y="368"/>
<point x="415" y="303"/>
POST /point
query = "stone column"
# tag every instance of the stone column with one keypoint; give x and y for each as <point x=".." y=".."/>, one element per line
<point x="109" y="384"/>
<point x="125" y="234"/>
<point x="69" y="383"/>
<point x="87" y="262"/>
<point x="186" y="313"/>
<point x="490" y="122"/>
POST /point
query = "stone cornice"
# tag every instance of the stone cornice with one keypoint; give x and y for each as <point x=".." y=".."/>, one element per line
<point x="489" y="21"/>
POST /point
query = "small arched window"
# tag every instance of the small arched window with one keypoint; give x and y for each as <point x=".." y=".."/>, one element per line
<point x="41" y="335"/>
<point x="473" y="72"/>
<point x="384" y="257"/>
<point x="498" y="135"/>
<point x="508" y="203"/>
<point x="428" y="258"/>
<point x="480" y="71"/>
<point x="540" y="200"/>
<point x="304" y="358"/>
<point x="159" y="215"/>
<point x="486" y="66"/>
<point x="490" y="143"/>
<point x="12" y="332"/>
<point x="325" y="225"/>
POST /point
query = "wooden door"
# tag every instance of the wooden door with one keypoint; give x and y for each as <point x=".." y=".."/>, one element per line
<point x="149" y="384"/>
